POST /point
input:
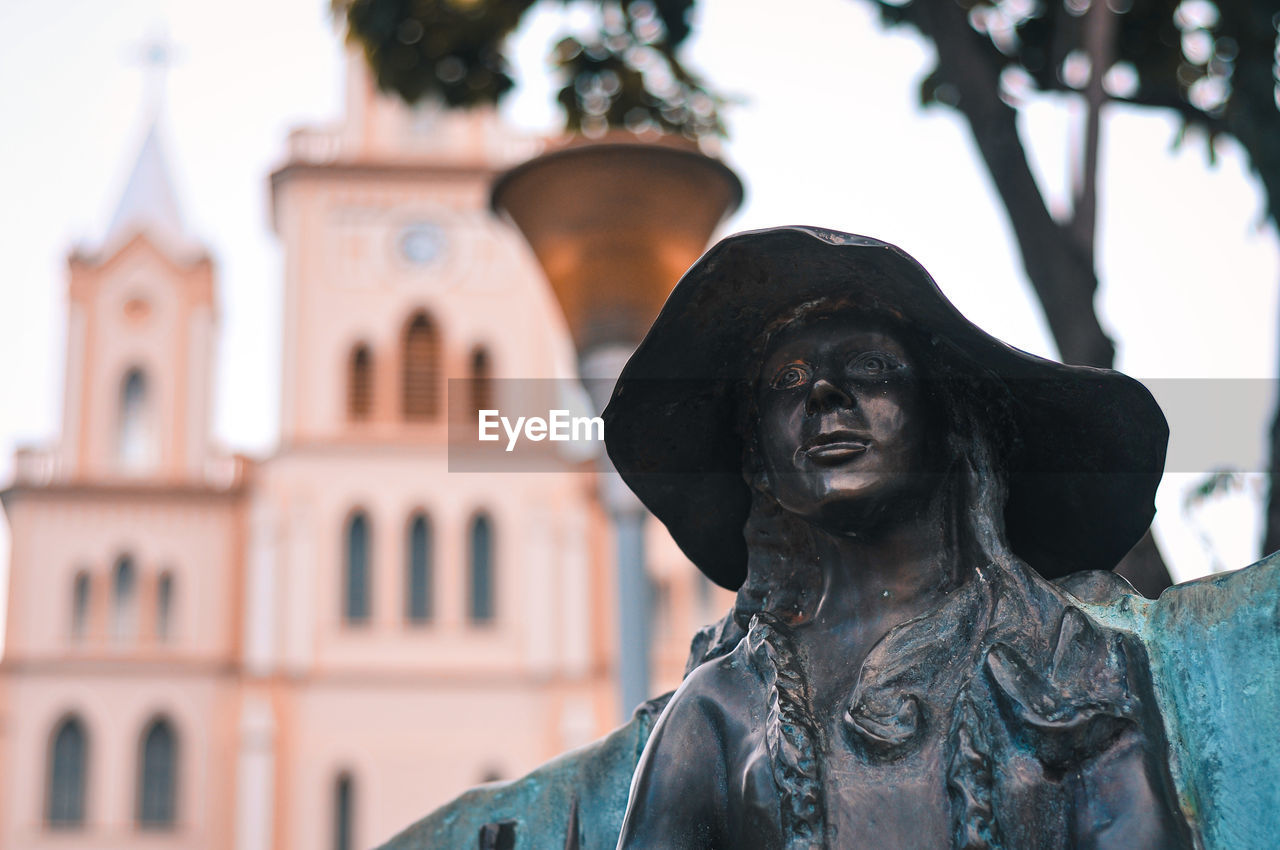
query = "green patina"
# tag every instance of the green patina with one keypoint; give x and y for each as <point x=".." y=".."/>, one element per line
<point x="1214" y="648"/>
<point x="575" y="802"/>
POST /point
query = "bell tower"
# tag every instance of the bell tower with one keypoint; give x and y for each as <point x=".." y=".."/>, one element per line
<point x="140" y="339"/>
<point x="124" y="611"/>
<point x="394" y="267"/>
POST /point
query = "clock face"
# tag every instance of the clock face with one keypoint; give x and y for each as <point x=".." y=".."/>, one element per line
<point x="421" y="243"/>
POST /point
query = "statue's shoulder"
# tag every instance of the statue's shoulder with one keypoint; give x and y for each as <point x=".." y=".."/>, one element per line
<point x="717" y="689"/>
<point x="723" y="700"/>
<point x="1098" y="587"/>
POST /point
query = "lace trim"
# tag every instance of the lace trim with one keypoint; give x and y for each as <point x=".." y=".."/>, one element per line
<point x="790" y="734"/>
<point x="970" y="780"/>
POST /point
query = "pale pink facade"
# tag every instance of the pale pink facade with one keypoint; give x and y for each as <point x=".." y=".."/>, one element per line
<point x="234" y="628"/>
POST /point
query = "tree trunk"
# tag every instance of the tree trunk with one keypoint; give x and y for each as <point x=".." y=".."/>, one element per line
<point x="1099" y="42"/>
<point x="1252" y="118"/>
<point x="1060" y="271"/>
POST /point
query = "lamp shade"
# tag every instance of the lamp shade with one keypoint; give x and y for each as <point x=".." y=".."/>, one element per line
<point x="614" y="224"/>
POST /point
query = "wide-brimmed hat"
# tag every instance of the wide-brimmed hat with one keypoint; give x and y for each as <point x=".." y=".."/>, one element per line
<point x="1091" y="441"/>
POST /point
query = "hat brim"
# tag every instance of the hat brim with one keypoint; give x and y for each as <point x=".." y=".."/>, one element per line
<point x="1092" y="441"/>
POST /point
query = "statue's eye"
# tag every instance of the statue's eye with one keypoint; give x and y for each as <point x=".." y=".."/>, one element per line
<point x="790" y="376"/>
<point x="875" y="363"/>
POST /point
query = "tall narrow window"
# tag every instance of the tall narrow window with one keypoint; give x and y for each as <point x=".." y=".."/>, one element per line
<point x="68" y="757"/>
<point x="418" y="571"/>
<point x="80" y="606"/>
<point x="420" y="390"/>
<point x="157" y="775"/>
<point x="355" y="585"/>
<point x="124" y="601"/>
<point x="481" y="383"/>
<point x="481" y="585"/>
<point x="360" y="384"/>
<point x="343" y="816"/>
<point x="135" y="447"/>
<point x="164" y="606"/>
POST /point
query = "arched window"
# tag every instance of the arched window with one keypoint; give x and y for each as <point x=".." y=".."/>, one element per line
<point x="343" y="814"/>
<point x="80" y="599"/>
<point x="420" y="385"/>
<point x="481" y="584"/>
<point x="417" y="603"/>
<point x="360" y="384"/>
<point x="157" y="775"/>
<point x="164" y="606"/>
<point x="355" y="583"/>
<point x="135" y="448"/>
<point x="68" y="763"/>
<point x="480" y="385"/>
<point x="124" y="598"/>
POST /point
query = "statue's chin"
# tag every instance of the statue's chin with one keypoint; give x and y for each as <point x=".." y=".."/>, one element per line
<point x="858" y="503"/>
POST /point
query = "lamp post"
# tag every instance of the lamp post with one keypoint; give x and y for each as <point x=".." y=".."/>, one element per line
<point x="614" y="223"/>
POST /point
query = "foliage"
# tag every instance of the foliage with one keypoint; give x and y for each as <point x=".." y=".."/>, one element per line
<point x="1214" y="63"/>
<point x="1211" y="61"/>
<point x="625" y="74"/>
<point x="1214" y="484"/>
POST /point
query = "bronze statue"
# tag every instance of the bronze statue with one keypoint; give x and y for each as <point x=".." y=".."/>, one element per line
<point x="903" y="671"/>
<point x="928" y="648"/>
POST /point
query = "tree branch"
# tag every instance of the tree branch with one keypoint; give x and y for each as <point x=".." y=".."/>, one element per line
<point x="1060" y="273"/>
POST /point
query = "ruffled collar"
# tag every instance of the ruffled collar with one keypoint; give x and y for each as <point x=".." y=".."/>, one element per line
<point x="1061" y="682"/>
<point x="1004" y="645"/>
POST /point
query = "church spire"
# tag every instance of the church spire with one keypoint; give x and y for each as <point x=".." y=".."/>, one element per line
<point x="149" y="203"/>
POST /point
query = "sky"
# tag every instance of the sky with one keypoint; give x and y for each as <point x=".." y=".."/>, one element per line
<point x="826" y="130"/>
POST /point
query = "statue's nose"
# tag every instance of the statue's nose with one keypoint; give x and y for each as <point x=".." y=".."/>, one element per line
<point x="824" y="395"/>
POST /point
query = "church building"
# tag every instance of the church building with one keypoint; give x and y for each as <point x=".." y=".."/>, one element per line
<point x="312" y="649"/>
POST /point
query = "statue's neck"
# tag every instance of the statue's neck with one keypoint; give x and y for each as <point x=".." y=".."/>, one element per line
<point x="889" y="573"/>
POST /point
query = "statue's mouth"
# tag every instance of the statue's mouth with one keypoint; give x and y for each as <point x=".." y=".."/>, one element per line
<point x="835" y="447"/>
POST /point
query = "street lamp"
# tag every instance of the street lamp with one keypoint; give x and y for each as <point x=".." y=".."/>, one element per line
<point x="614" y="223"/>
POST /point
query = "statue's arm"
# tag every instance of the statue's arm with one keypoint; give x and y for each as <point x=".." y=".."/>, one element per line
<point x="677" y="794"/>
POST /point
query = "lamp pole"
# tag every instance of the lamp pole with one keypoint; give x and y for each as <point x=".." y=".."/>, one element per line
<point x="599" y="370"/>
<point x="613" y="224"/>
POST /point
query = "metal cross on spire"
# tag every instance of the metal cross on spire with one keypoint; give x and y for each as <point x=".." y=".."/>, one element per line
<point x="149" y="202"/>
<point x="157" y="54"/>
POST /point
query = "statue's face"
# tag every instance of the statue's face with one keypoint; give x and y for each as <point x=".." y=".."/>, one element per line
<point x="845" y="430"/>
